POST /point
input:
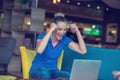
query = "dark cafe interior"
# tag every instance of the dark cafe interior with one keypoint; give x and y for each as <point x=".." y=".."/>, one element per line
<point x="22" y="21"/>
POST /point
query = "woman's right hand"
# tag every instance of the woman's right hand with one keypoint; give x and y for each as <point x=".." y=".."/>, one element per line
<point x="53" y="26"/>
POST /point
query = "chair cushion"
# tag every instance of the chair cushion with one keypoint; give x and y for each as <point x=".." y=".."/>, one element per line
<point x="7" y="77"/>
<point x="30" y="56"/>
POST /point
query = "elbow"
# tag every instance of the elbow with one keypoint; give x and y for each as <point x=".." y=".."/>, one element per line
<point x="83" y="52"/>
<point x="39" y="51"/>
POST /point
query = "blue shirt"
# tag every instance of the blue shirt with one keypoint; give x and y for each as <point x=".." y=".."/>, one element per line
<point x="48" y="59"/>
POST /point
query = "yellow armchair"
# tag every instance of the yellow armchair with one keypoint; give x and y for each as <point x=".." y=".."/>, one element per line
<point x="27" y="57"/>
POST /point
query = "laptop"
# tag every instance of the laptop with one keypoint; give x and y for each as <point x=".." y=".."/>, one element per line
<point x="85" y="69"/>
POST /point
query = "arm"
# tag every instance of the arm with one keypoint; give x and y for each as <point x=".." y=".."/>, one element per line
<point x="41" y="44"/>
<point x="80" y="46"/>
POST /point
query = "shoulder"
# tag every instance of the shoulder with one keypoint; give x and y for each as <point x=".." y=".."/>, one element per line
<point x="40" y="36"/>
<point x="66" y="40"/>
<point x="43" y="33"/>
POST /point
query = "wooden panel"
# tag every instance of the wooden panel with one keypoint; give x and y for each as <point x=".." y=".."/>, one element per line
<point x="37" y="19"/>
<point x="7" y="20"/>
<point x="17" y="19"/>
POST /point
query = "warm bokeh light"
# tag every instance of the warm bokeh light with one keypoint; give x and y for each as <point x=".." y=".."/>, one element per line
<point x="56" y="1"/>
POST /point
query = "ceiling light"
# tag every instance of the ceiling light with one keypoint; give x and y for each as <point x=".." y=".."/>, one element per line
<point x="78" y="3"/>
<point x="88" y="5"/>
<point x="56" y="1"/>
<point x="107" y="9"/>
<point x="98" y="7"/>
<point x="68" y="1"/>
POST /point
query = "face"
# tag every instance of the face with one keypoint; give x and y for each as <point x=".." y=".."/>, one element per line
<point x="61" y="30"/>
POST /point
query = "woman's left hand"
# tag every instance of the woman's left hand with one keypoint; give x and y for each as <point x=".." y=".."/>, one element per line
<point x="73" y="28"/>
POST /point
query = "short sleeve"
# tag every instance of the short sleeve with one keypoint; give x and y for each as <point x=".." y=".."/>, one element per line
<point x="40" y="36"/>
<point x="67" y="40"/>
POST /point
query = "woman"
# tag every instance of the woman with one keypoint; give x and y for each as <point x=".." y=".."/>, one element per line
<point x="49" y="47"/>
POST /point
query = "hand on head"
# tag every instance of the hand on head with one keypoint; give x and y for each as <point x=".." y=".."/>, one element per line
<point x="73" y="27"/>
<point x="53" y="26"/>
